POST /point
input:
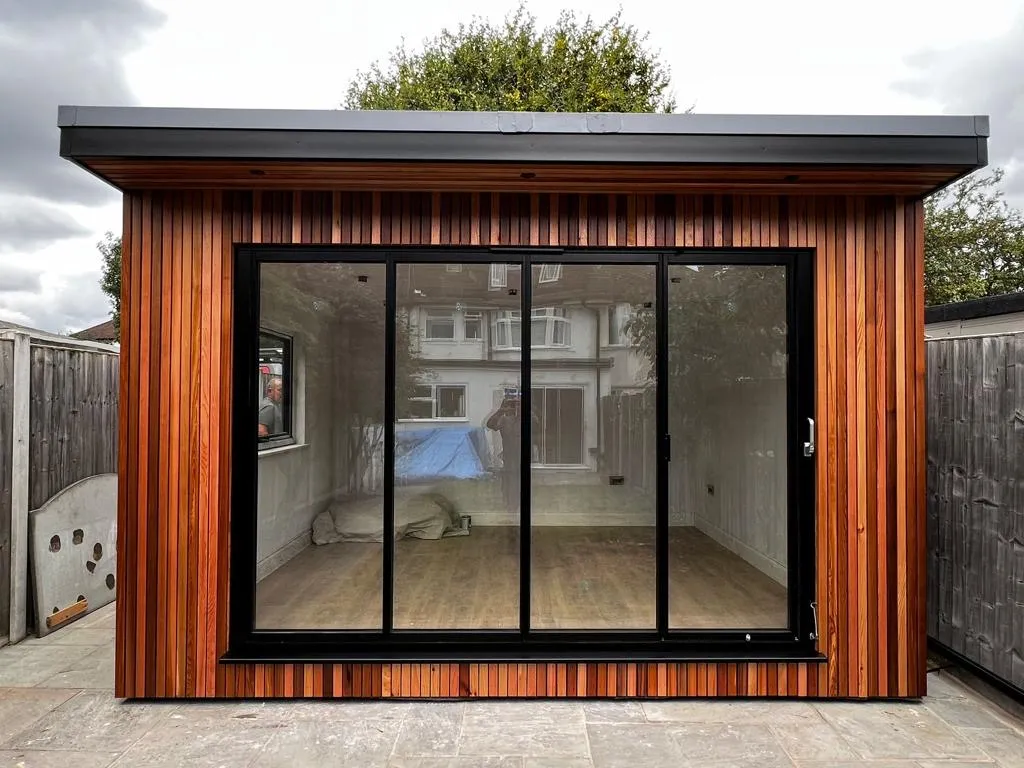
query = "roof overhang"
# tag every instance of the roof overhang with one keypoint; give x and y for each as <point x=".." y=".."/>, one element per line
<point x="135" y="147"/>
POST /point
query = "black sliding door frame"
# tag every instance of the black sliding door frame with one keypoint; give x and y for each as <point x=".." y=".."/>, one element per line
<point x="247" y="643"/>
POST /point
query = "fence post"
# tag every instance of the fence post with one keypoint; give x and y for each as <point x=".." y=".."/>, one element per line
<point x="19" y="488"/>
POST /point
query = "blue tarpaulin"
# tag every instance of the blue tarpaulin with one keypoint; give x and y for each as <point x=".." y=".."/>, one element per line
<point x="439" y="453"/>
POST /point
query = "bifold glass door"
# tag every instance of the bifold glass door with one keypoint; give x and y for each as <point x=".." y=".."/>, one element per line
<point x="546" y="450"/>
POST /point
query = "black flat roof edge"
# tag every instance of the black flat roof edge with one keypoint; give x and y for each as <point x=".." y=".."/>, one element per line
<point x="963" y="152"/>
<point x="989" y="306"/>
<point x="385" y="121"/>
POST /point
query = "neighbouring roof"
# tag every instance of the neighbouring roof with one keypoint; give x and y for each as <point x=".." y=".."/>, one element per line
<point x="102" y="332"/>
<point x="989" y="306"/>
<point x="111" y="140"/>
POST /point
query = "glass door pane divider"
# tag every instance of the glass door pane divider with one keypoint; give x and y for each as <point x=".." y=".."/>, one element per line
<point x="662" y="441"/>
<point x="525" y="443"/>
<point x="388" y="544"/>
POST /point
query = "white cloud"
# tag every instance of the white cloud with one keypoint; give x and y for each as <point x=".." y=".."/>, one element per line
<point x="793" y="56"/>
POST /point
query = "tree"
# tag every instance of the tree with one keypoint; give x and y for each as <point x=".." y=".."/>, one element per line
<point x="570" y="66"/>
<point x="973" y="242"/>
<point x="110" y="279"/>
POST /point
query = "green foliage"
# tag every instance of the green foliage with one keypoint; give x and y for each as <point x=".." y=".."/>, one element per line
<point x="973" y="242"/>
<point x="570" y="66"/>
<point x="110" y="279"/>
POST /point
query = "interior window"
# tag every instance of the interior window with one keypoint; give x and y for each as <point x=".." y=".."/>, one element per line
<point x="275" y="388"/>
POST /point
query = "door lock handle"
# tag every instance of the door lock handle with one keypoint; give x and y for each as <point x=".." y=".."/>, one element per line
<point x="809" y="443"/>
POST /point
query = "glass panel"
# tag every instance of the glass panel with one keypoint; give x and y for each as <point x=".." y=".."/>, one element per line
<point x="457" y="469"/>
<point x="593" y="445"/>
<point x="320" y="511"/>
<point x="728" y="502"/>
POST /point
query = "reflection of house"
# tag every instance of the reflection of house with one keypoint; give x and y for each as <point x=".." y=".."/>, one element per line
<point x="468" y="332"/>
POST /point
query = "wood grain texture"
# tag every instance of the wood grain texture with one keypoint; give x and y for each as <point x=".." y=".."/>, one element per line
<point x="530" y="178"/>
<point x="174" y="505"/>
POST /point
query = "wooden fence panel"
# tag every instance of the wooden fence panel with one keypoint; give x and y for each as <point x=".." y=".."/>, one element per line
<point x="72" y="418"/>
<point x="975" y="417"/>
<point x="6" y="438"/>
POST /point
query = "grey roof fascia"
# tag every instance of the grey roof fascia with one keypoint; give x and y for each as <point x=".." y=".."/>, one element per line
<point x="161" y="133"/>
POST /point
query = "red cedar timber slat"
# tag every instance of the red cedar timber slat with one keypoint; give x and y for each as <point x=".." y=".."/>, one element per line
<point x="882" y="480"/>
<point x="862" y="476"/>
<point x="145" y="444"/>
<point x="901" y="453"/>
<point x="160" y="666"/>
<point x="869" y="586"/>
<point x="172" y="337"/>
<point x="830" y="611"/>
<point x="203" y="267"/>
<point x="216" y="418"/>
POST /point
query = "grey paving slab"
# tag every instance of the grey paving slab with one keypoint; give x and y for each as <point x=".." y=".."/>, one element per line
<point x="50" y="759"/>
<point x="341" y="742"/>
<point x="528" y="711"/>
<point x="75" y="635"/>
<point x="729" y="744"/>
<point x="95" y="670"/>
<point x="288" y="711"/>
<point x="484" y="732"/>
<point x="744" y="712"/>
<point x="557" y="762"/>
<point x="630" y="745"/>
<point x="21" y="707"/>
<point x="614" y="712"/>
<point x="967" y="713"/>
<point x="941" y="686"/>
<point x="91" y="721"/>
<point x="1005" y="745"/>
<point x="812" y="740"/>
<point x="482" y="761"/>
<point x="431" y="729"/>
<point x="896" y="730"/>
<point x="180" y="743"/>
<point x="28" y="665"/>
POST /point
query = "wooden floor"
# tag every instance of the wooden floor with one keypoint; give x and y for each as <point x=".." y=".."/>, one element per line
<point x="583" y="578"/>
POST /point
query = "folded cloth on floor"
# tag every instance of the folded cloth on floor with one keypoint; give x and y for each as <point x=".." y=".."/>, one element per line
<point x="426" y="515"/>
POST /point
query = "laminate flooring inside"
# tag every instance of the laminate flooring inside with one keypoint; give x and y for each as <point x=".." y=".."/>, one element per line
<point x="600" y="578"/>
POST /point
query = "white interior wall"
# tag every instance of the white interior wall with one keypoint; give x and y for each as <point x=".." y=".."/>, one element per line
<point x="297" y="482"/>
<point x="745" y="462"/>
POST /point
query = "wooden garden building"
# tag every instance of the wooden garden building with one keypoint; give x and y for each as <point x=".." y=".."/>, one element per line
<point x="447" y="405"/>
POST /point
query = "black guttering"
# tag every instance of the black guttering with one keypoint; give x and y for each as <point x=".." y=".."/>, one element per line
<point x="141" y="132"/>
<point x="990" y="306"/>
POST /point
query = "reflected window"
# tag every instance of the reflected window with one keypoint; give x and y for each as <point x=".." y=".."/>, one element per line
<point x="440" y="324"/>
<point x="435" y="401"/>
<point x="274" y="381"/>
<point x="508" y="329"/>
<point x="473" y="325"/>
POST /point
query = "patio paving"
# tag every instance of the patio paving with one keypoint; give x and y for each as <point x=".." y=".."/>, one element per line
<point x="57" y="709"/>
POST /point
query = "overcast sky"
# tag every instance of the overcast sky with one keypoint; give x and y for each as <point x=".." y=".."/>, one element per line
<point x="789" y="56"/>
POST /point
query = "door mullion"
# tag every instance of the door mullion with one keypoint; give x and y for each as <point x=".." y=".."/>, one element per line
<point x="526" y="441"/>
<point x="661" y="421"/>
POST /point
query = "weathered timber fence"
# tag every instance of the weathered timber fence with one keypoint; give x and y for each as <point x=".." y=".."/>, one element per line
<point x="58" y="425"/>
<point x="975" y="444"/>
